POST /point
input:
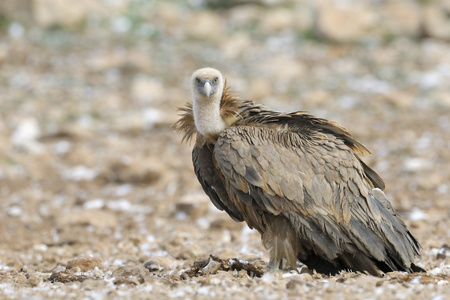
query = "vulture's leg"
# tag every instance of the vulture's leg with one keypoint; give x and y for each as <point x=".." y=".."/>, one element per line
<point x="282" y="242"/>
<point x="275" y="266"/>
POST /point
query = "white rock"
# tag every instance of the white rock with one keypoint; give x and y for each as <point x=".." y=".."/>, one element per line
<point x="61" y="147"/>
<point x="417" y="214"/>
<point x="79" y="173"/>
<point x="26" y="136"/>
<point x="40" y="247"/>
<point x="152" y="117"/>
<point x="442" y="269"/>
<point x="124" y="189"/>
<point x="121" y="24"/>
<point x="15" y="30"/>
<point x="14" y="211"/>
<point x="94" y="204"/>
<point x="415" y="164"/>
<point x="120" y="205"/>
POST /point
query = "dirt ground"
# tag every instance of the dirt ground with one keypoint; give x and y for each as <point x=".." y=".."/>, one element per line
<point x="98" y="195"/>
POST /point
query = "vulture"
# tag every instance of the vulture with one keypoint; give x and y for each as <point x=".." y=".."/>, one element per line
<point x="297" y="179"/>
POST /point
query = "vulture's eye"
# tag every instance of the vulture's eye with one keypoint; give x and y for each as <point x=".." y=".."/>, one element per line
<point x="198" y="80"/>
<point x="216" y="80"/>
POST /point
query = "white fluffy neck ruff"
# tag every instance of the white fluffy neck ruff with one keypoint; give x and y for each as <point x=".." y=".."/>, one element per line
<point x="207" y="118"/>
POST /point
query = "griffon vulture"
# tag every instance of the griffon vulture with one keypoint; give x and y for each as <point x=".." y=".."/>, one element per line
<point x="297" y="179"/>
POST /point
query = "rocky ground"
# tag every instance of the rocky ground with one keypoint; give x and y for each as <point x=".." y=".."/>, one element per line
<point x="98" y="195"/>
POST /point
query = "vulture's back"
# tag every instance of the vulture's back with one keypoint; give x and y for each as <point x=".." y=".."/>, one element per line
<point x="300" y="182"/>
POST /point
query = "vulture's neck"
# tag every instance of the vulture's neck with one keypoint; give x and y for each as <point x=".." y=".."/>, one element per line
<point x="207" y="117"/>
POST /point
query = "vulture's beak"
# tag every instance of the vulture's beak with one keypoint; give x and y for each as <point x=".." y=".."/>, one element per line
<point x="207" y="88"/>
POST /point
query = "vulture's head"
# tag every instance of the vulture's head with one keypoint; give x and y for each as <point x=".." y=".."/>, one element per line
<point x="207" y="88"/>
<point x="207" y="85"/>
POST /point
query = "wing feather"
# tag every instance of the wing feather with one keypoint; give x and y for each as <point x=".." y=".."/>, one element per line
<point x="320" y="188"/>
<point x="202" y="158"/>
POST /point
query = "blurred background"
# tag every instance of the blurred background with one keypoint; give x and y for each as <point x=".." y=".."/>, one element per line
<point x="89" y="162"/>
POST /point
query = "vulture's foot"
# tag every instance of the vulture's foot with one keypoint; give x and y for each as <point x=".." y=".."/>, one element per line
<point x="277" y="266"/>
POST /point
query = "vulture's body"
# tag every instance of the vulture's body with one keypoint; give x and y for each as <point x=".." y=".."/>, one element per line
<point x="297" y="179"/>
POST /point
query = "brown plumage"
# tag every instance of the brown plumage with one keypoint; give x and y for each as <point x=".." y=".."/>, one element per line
<point x="297" y="179"/>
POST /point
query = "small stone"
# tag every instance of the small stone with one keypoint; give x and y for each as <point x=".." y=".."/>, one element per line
<point x="85" y="263"/>
<point x="190" y="252"/>
<point x="146" y="89"/>
<point x="305" y="277"/>
<point x="220" y="277"/>
<point x="211" y="267"/>
<point x="436" y="22"/>
<point x="152" y="266"/>
<point x="191" y="207"/>
<point x="33" y="281"/>
<point x="47" y="13"/>
<point x="442" y="282"/>
<point x="94" y="217"/>
<point x="416" y="164"/>
<point x="161" y="262"/>
<point x="237" y="46"/>
<point x="380" y="282"/>
<point x="75" y="270"/>
<point x="443" y="252"/>
<point x="138" y="171"/>
<point x="277" y="20"/>
<point x="25" y="136"/>
<point x="40" y="247"/>
<point x="316" y="97"/>
<point x="344" y="23"/>
<point x="399" y="99"/>
<point x="225" y="224"/>
<point x="129" y="275"/>
<point x="400" y="18"/>
<point x="127" y="271"/>
<point x="205" y="25"/>
<point x="16" y="264"/>
<point x="184" y="276"/>
<point x="93" y="285"/>
<point x="21" y="278"/>
<point x="261" y="88"/>
<point x="292" y="284"/>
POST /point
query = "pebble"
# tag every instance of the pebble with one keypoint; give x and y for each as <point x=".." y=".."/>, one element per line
<point x="436" y="22"/>
<point x="129" y="275"/>
<point x="401" y="18"/>
<point x="33" y="281"/>
<point x="21" y="278"/>
<point x="203" y="25"/>
<point x="85" y="264"/>
<point x="94" y="217"/>
<point x="25" y="136"/>
<point x="344" y="23"/>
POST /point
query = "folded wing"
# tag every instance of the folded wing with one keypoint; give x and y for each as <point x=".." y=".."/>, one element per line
<point x="323" y="190"/>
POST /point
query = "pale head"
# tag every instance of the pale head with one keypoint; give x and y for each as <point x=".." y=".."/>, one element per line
<point x="207" y="88"/>
<point x="207" y="84"/>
